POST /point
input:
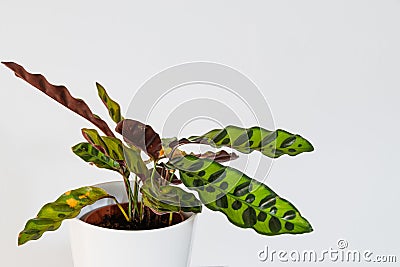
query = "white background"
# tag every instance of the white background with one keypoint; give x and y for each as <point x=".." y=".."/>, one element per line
<point x="330" y="71"/>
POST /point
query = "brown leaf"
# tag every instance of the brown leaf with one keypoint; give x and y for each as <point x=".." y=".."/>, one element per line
<point x="140" y="135"/>
<point x="220" y="156"/>
<point x="60" y="94"/>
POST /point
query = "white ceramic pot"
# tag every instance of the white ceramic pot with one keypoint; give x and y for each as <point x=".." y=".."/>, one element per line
<point x="94" y="246"/>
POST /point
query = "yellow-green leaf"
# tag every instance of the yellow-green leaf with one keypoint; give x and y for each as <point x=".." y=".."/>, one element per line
<point x="113" y="107"/>
<point x="110" y="146"/>
<point x="67" y="206"/>
<point x="90" y="154"/>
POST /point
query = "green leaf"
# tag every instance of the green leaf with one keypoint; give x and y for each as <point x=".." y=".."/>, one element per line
<point x="169" y="198"/>
<point x="246" y="202"/>
<point x="110" y="146"/>
<point x="135" y="163"/>
<point x="90" y="154"/>
<point x="67" y="206"/>
<point x="113" y="107"/>
<point x="114" y="149"/>
<point x="166" y="142"/>
<point x="270" y="143"/>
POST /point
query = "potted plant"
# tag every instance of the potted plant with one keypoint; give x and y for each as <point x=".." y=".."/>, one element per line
<point x="152" y="209"/>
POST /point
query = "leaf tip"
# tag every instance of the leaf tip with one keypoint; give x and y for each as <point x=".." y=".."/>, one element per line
<point x="98" y="85"/>
<point x="310" y="147"/>
<point x="21" y="241"/>
<point x="308" y="227"/>
<point x="7" y="63"/>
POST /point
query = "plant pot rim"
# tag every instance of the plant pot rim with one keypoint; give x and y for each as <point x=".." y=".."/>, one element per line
<point x="98" y="228"/>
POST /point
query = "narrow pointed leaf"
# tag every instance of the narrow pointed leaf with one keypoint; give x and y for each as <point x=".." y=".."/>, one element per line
<point x="220" y="156"/>
<point x="169" y="198"/>
<point x="60" y="94"/>
<point x="270" y="143"/>
<point x="113" y="107"/>
<point x="90" y="154"/>
<point x="141" y="136"/>
<point x="170" y="145"/>
<point x="246" y="202"/>
<point x="67" y="206"/>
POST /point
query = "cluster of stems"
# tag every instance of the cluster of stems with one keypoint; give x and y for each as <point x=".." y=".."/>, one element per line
<point x="135" y="210"/>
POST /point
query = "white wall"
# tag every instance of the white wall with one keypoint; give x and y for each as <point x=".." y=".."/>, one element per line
<point x="328" y="68"/>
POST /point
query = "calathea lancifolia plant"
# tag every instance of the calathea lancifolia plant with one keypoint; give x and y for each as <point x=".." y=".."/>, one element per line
<point x="246" y="202"/>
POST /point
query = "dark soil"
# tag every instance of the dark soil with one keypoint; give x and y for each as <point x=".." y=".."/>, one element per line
<point x="111" y="217"/>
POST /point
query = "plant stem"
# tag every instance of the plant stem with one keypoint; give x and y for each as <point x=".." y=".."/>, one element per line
<point x="136" y="198"/>
<point x="121" y="208"/>
<point x="172" y="176"/>
<point x="129" y="193"/>
<point x="125" y="175"/>
<point x="141" y="212"/>
<point x="170" y="218"/>
<point x="152" y="175"/>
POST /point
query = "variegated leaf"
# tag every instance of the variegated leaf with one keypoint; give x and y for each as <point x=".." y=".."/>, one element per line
<point x="246" y="202"/>
<point x="114" y="149"/>
<point x="168" y="198"/>
<point x="67" y="206"/>
<point x="113" y="107"/>
<point x="110" y="146"/>
<point x="270" y="143"/>
<point x="90" y="154"/>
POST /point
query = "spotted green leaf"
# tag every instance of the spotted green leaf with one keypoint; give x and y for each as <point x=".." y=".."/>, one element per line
<point x="114" y="149"/>
<point x="90" y="154"/>
<point x="113" y="107"/>
<point x="67" y="206"/>
<point x="246" y="202"/>
<point x="169" y="198"/>
<point x="270" y="143"/>
<point x="110" y="146"/>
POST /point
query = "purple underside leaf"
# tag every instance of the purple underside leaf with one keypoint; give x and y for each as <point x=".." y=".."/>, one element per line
<point x="60" y="94"/>
<point x="141" y="136"/>
<point x="220" y="156"/>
